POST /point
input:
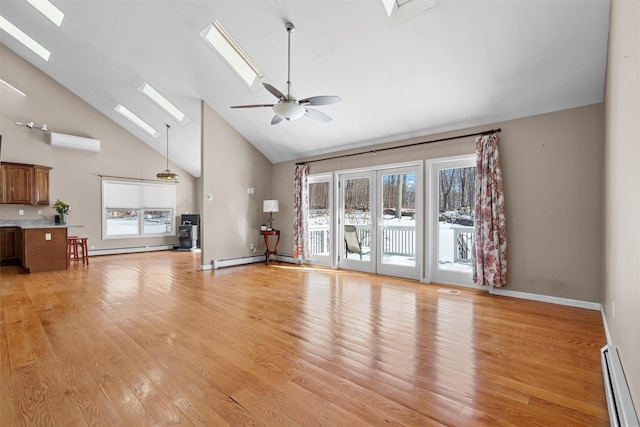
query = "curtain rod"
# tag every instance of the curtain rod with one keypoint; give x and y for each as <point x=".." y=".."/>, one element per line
<point x="486" y="132"/>
<point x="130" y="178"/>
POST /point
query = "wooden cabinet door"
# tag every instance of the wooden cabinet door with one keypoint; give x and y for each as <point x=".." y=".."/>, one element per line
<point x="2" y="185"/>
<point x="19" y="184"/>
<point x="8" y="240"/>
<point x="41" y="185"/>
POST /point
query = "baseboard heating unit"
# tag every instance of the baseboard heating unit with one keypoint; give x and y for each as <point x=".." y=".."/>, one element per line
<point x="621" y="410"/>
<point x="230" y="262"/>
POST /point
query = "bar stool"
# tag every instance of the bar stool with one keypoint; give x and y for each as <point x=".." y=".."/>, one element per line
<point x="77" y="249"/>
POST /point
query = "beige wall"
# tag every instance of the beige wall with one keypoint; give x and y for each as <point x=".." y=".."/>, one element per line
<point x="230" y="166"/>
<point x="74" y="177"/>
<point x="552" y="166"/>
<point x="622" y="200"/>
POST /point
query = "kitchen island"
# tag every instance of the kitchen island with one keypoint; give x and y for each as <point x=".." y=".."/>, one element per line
<point x="36" y="245"/>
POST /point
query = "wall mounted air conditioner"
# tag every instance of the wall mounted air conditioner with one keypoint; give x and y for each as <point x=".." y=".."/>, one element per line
<point x="74" y="142"/>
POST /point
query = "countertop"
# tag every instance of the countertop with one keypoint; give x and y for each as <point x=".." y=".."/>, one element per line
<point x="34" y="224"/>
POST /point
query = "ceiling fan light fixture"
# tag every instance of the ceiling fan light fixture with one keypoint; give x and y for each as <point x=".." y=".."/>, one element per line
<point x="288" y="107"/>
<point x="289" y="110"/>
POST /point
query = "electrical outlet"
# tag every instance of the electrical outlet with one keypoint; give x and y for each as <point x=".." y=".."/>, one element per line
<point x="39" y="211"/>
<point x="47" y="236"/>
<point x="20" y="211"/>
<point x="253" y="248"/>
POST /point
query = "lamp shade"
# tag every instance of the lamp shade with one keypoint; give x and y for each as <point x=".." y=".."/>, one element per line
<point x="289" y="110"/>
<point x="270" y="206"/>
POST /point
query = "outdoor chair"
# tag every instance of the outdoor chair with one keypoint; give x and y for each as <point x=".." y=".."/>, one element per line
<point x="351" y="241"/>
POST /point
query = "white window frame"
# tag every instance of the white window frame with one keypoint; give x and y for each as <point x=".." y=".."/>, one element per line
<point x="160" y="197"/>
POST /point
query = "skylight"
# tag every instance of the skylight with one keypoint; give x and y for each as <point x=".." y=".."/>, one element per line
<point x="19" y="35"/>
<point x="401" y="10"/>
<point x="49" y="10"/>
<point x="164" y="103"/>
<point x="222" y="42"/>
<point x="12" y="88"/>
<point x="137" y="121"/>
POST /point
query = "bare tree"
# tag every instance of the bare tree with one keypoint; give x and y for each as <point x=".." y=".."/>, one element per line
<point x="446" y="182"/>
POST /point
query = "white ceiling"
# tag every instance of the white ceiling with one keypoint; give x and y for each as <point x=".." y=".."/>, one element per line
<point x="460" y="64"/>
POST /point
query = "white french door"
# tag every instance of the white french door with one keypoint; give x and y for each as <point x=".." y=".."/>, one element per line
<point x="451" y="219"/>
<point x="380" y="217"/>
<point x="320" y="219"/>
<point x="357" y="245"/>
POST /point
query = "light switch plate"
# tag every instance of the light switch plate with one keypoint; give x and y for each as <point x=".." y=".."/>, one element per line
<point x="47" y="236"/>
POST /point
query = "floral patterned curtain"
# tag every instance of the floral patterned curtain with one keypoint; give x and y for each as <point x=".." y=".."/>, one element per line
<point x="490" y="256"/>
<point x="301" y="213"/>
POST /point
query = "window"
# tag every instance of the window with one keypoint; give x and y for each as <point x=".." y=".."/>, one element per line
<point x="136" y="209"/>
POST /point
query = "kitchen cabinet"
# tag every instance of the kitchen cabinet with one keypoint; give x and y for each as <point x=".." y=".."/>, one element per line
<point x="24" y="184"/>
<point x="10" y="245"/>
<point x="41" y="185"/>
<point x="45" y="249"/>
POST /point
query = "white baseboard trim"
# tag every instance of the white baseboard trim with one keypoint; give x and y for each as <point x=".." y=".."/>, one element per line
<point x="546" y="298"/>
<point x="251" y="259"/>
<point x="116" y="251"/>
<point x="289" y="259"/>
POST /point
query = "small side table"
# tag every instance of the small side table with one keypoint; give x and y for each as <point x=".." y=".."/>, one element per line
<point x="270" y="251"/>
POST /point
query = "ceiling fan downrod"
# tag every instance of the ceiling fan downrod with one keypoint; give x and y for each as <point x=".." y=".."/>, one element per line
<point x="290" y="29"/>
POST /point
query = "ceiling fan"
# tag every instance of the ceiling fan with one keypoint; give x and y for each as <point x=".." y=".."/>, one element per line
<point x="288" y="107"/>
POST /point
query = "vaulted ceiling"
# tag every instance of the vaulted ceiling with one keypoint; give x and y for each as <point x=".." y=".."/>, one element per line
<point x="459" y="64"/>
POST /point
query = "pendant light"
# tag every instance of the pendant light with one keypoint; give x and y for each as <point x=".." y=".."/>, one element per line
<point x="167" y="175"/>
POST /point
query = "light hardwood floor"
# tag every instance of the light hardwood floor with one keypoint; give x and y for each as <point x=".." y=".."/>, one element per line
<point x="148" y="339"/>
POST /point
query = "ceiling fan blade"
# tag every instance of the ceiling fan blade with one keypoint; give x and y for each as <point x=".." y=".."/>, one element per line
<point x="252" y="106"/>
<point x="317" y="115"/>
<point x="275" y="92"/>
<point x="320" y="100"/>
<point x="276" y="119"/>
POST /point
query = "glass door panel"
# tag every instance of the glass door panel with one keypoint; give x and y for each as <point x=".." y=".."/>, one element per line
<point x="452" y="220"/>
<point x="356" y="237"/>
<point x="398" y="240"/>
<point x="320" y="219"/>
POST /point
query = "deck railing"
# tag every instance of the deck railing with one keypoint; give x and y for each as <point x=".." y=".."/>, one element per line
<point x="463" y="244"/>
<point x="396" y="240"/>
<point x="319" y="240"/>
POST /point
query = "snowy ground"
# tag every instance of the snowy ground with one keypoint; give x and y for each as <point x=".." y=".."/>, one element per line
<point x="128" y="227"/>
<point x="446" y="250"/>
